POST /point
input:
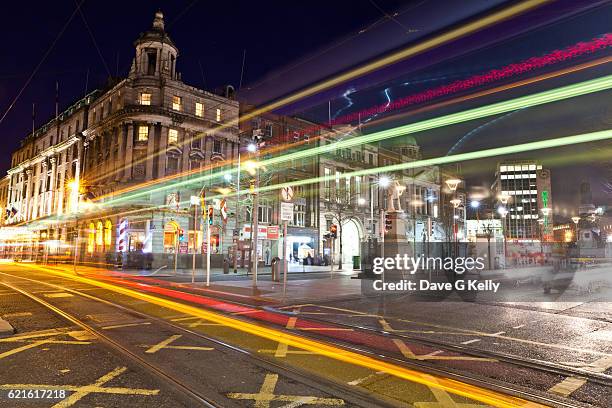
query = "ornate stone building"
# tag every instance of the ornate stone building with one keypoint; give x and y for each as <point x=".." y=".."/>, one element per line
<point x="148" y="126"/>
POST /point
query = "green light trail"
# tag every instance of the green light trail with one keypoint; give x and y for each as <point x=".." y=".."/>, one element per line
<point x="541" y="98"/>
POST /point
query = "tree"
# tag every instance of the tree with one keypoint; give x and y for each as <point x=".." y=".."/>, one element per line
<point x="341" y="206"/>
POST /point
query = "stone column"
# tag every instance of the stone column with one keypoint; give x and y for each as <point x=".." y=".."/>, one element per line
<point x="163" y="143"/>
<point x="28" y="203"/>
<point x="185" y="146"/>
<point x="52" y="186"/>
<point x="120" y="160"/>
<point x="150" y="153"/>
<point x="129" y="148"/>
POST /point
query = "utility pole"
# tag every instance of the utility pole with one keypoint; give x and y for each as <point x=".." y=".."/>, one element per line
<point x="255" y="229"/>
<point x="237" y="223"/>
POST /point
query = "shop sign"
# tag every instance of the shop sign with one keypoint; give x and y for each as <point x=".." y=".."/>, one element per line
<point x="273" y="232"/>
<point x="183" y="247"/>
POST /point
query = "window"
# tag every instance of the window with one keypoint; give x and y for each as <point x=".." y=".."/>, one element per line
<point x="218" y="115"/>
<point x="91" y="233"/>
<point x="176" y="102"/>
<point x="143" y="133"/>
<point x="265" y="211"/>
<point x="217" y="146"/>
<point x="145" y="99"/>
<point x="172" y="165"/>
<point x="108" y="234"/>
<point x="299" y="215"/>
<point x="99" y="236"/>
<point x="172" y="136"/>
<point x="199" y="111"/>
<point x="195" y="143"/>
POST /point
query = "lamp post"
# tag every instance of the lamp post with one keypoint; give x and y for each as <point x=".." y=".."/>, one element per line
<point x="74" y="187"/>
<point x="576" y="220"/>
<point x="253" y="169"/>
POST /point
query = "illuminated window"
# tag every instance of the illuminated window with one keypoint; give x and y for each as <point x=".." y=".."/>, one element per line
<point x="143" y="133"/>
<point x="108" y="234"/>
<point x="218" y="115"/>
<point x="199" y="109"/>
<point x="99" y="235"/>
<point x="145" y="98"/>
<point x="172" y="136"/>
<point x="176" y="103"/>
<point x="91" y="235"/>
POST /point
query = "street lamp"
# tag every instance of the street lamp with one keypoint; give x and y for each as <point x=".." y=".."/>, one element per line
<point x="252" y="147"/>
<point x="361" y="201"/>
<point x="455" y="202"/>
<point x="384" y="181"/>
<point x="576" y="220"/>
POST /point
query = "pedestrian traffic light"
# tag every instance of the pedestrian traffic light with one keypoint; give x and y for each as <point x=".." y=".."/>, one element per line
<point x="388" y="223"/>
<point x="210" y="215"/>
<point x="333" y="230"/>
<point x="181" y="235"/>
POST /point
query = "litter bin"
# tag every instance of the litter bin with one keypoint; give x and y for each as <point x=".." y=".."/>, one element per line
<point x="226" y="265"/>
<point x="276" y="263"/>
<point x="356" y="262"/>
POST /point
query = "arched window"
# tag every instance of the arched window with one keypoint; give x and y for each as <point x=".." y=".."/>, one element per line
<point x="99" y="236"/>
<point x="91" y="238"/>
<point x="108" y="234"/>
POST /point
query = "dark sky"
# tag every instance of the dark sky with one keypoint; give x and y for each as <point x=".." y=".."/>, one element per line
<point x="287" y="48"/>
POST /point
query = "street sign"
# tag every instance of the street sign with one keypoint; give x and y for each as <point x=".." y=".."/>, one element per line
<point x="286" y="213"/>
<point x="287" y="193"/>
<point x="223" y="206"/>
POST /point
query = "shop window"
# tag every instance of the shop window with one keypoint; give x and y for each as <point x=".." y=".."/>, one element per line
<point x="108" y="234"/>
<point x="91" y="237"/>
<point x="99" y="236"/>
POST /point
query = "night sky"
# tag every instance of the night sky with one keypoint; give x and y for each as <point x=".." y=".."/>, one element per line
<point x="286" y="49"/>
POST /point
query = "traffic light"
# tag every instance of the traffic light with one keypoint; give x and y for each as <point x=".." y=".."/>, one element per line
<point x="333" y="230"/>
<point x="181" y="235"/>
<point x="388" y="223"/>
<point x="210" y="215"/>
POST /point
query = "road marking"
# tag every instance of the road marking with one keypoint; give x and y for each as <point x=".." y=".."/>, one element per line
<point x="282" y="348"/>
<point x="486" y="396"/>
<point x="81" y="391"/>
<point x="518" y="327"/>
<point x="474" y="332"/>
<point x="17" y="314"/>
<point x="199" y="322"/>
<point x="162" y="344"/>
<point x="81" y="335"/>
<point x="58" y="295"/>
<point x="443" y="399"/>
<point x="406" y="352"/>
<point x="470" y="341"/>
<point x="571" y="384"/>
<point x="324" y="328"/>
<point x="118" y="326"/>
<point x="20" y="349"/>
<point x="266" y="395"/>
<point x="166" y="345"/>
<point x="30" y="335"/>
<point x="385" y="325"/>
<point x="498" y="333"/>
<point x="364" y="379"/>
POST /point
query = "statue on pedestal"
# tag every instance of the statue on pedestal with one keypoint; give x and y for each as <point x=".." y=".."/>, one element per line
<point x="394" y="193"/>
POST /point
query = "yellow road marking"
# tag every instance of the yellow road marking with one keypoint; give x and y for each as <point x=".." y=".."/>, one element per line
<point x="58" y="295"/>
<point x="266" y="395"/>
<point x="443" y="400"/>
<point x="17" y="314"/>
<point x="406" y="352"/>
<point x="364" y="379"/>
<point x="324" y="329"/>
<point x="571" y="384"/>
<point x="471" y="332"/>
<point x="20" y="349"/>
<point x="81" y="335"/>
<point x="486" y="396"/>
<point x="30" y="335"/>
<point x="118" y="326"/>
<point x="80" y="391"/>
<point x="282" y="348"/>
<point x="199" y="322"/>
<point x="162" y="344"/>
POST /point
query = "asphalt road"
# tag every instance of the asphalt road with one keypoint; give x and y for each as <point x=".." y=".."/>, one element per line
<point x="230" y="366"/>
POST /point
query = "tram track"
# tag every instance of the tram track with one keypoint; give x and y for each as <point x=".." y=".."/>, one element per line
<point x="349" y="394"/>
<point x="507" y="388"/>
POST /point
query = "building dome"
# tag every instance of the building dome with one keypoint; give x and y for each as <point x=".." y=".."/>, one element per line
<point x="399" y="142"/>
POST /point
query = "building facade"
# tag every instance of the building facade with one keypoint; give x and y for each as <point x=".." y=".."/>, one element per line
<point x="78" y="169"/>
<point x="526" y="187"/>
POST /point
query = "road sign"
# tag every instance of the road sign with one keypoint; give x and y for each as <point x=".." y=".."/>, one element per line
<point x="286" y="213"/>
<point x="223" y="207"/>
<point x="287" y="193"/>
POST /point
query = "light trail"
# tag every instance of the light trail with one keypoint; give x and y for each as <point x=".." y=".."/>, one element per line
<point x="464" y="98"/>
<point x="456" y="387"/>
<point x="554" y="95"/>
<point x="456" y="33"/>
